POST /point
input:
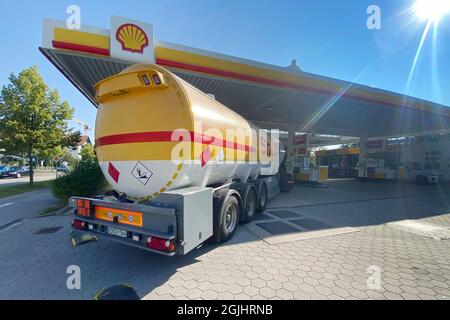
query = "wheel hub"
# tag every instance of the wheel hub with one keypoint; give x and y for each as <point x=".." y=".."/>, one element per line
<point x="250" y="206"/>
<point x="230" y="219"/>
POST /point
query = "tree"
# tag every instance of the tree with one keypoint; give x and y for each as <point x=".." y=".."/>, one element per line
<point x="64" y="154"/>
<point x="88" y="153"/>
<point x="68" y="158"/>
<point x="85" y="180"/>
<point x="32" y="117"/>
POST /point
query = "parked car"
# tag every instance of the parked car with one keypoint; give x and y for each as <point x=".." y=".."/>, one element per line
<point x="63" y="169"/>
<point x="416" y="174"/>
<point x="14" y="172"/>
<point x="423" y="177"/>
<point x="4" y="171"/>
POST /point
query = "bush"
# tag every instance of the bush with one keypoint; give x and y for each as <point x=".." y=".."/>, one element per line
<point x="84" y="180"/>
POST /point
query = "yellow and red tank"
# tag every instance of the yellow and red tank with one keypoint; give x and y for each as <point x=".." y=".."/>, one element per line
<point x="155" y="132"/>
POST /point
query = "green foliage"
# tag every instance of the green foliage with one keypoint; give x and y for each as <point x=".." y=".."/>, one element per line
<point x="8" y="191"/>
<point x="32" y="117"/>
<point x="86" y="179"/>
<point x="88" y="153"/>
<point x="62" y="152"/>
<point x="68" y="157"/>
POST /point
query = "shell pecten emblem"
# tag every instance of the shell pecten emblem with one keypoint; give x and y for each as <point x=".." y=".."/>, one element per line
<point x="132" y="38"/>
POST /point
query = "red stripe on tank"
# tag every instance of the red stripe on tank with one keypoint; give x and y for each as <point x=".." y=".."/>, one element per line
<point x="166" y="136"/>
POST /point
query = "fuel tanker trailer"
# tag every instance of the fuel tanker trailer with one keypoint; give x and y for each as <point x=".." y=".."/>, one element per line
<point x="184" y="168"/>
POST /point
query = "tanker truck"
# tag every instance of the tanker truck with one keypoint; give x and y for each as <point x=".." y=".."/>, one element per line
<point x="184" y="168"/>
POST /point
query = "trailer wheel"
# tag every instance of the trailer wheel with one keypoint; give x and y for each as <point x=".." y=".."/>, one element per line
<point x="263" y="197"/>
<point x="230" y="220"/>
<point x="250" y="206"/>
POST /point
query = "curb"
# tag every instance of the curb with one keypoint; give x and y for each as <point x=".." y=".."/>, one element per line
<point x="59" y="212"/>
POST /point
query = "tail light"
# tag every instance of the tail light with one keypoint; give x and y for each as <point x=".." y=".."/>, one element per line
<point x="80" y="225"/>
<point x="160" y="244"/>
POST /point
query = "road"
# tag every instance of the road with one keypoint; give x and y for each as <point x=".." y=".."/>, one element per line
<point x="39" y="176"/>
<point x="311" y="265"/>
<point x="25" y="205"/>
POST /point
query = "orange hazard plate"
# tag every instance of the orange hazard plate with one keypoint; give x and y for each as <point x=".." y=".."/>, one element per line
<point x="123" y="216"/>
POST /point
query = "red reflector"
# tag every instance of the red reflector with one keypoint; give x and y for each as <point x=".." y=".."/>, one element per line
<point x="81" y="225"/>
<point x="113" y="172"/>
<point x="84" y="208"/>
<point x="205" y="156"/>
<point x="160" y="244"/>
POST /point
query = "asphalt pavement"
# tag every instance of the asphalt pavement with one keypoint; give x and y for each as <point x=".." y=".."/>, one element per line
<point x="25" y="205"/>
<point x="377" y="260"/>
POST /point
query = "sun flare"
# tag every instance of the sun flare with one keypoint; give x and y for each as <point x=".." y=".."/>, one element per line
<point x="432" y="10"/>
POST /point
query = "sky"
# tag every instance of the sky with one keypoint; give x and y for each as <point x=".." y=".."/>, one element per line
<point x="326" y="37"/>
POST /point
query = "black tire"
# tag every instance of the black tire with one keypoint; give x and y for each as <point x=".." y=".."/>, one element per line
<point x="286" y="182"/>
<point x="250" y="206"/>
<point x="423" y="180"/>
<point x="263" y="198"/>
<point x="230" y="220"/>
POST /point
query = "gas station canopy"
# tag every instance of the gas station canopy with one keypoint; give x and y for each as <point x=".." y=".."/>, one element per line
<point x="270" y="96"/>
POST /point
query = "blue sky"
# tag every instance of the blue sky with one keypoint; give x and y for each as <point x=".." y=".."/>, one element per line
<point x="326" y="37"/>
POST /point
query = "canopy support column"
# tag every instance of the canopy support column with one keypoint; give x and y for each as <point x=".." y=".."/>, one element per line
<point x="362" y="147"/>
<point x="290" y="156"/>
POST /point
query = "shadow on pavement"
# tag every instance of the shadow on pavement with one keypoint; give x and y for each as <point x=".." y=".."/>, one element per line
<point x="358" y="204"/>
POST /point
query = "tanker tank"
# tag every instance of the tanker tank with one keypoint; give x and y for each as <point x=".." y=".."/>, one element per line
<point x="155" y="132"/>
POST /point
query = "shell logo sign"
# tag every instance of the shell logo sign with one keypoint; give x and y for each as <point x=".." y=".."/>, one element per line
<point x="131" y="41"/>
<point x="132" y="38"/>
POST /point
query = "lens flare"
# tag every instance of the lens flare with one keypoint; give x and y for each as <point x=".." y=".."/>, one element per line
<point x="432" y="10"/>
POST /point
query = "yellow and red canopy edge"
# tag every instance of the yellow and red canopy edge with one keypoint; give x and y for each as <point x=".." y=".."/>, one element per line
<point x="99" y="44"/>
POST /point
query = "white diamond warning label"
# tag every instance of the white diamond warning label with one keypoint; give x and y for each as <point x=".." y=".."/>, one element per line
<point x="141" y="173"/>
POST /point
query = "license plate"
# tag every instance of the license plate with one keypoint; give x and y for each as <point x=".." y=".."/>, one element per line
<point x="117" y="232"/>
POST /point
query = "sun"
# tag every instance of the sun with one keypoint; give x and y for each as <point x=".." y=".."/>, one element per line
<point x="432" y="10"/>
